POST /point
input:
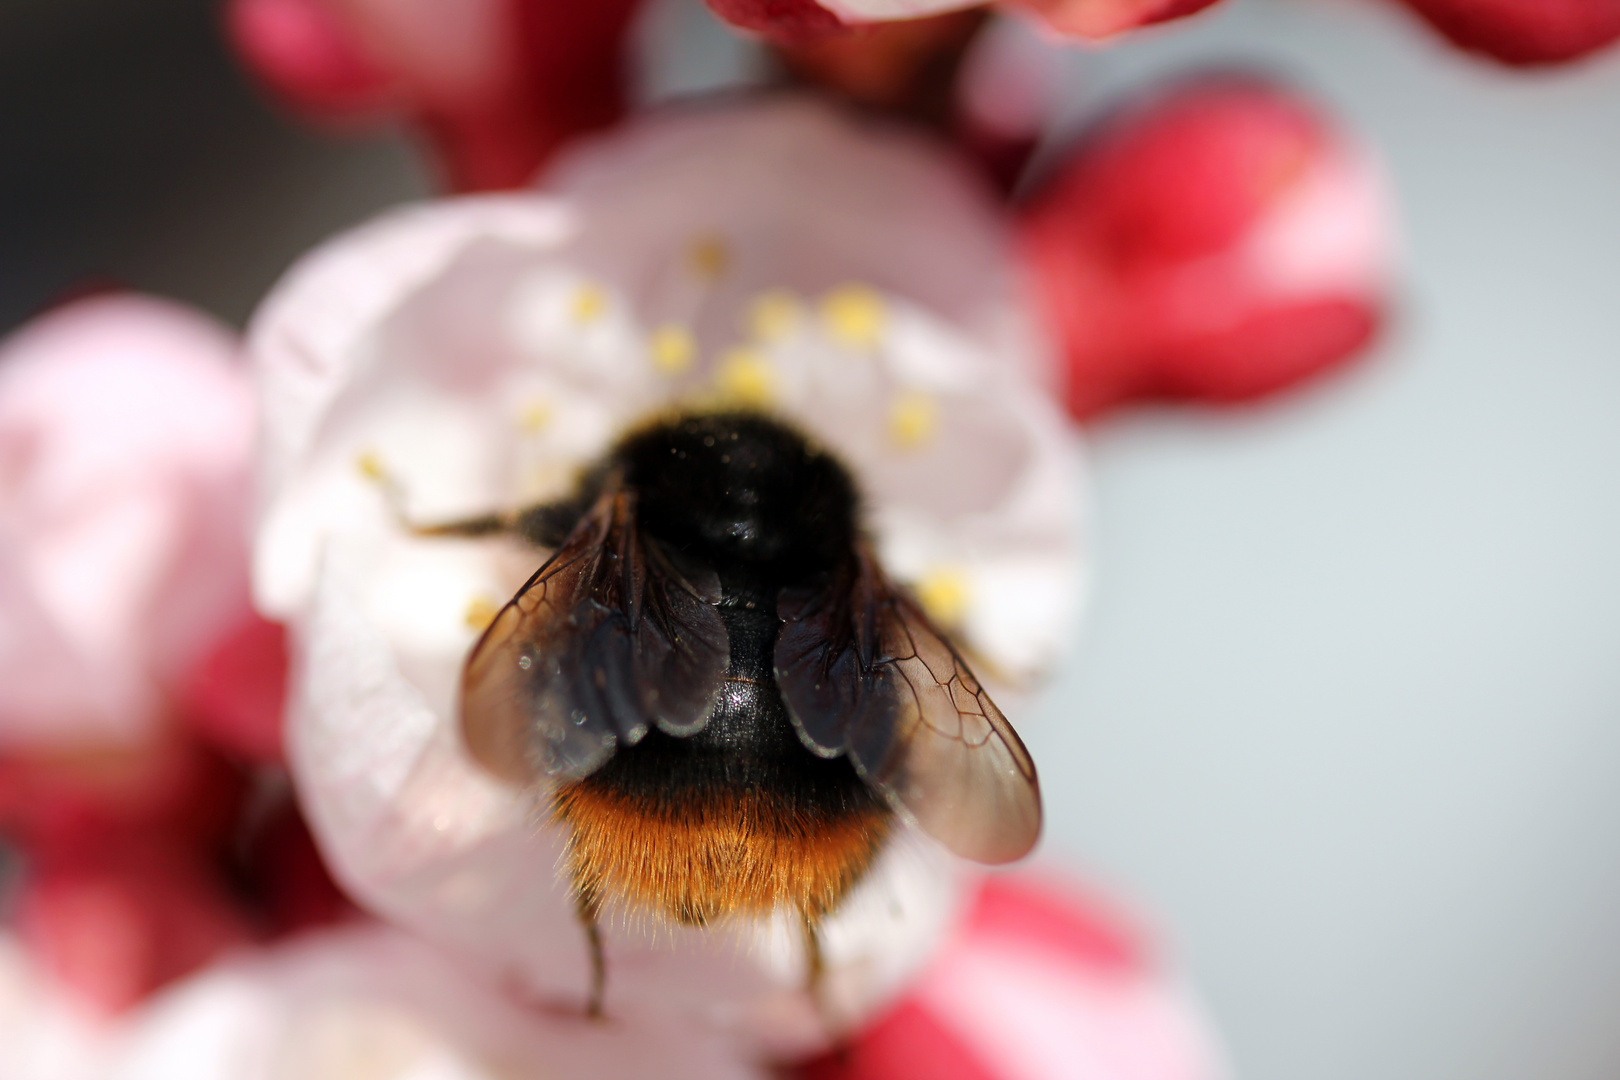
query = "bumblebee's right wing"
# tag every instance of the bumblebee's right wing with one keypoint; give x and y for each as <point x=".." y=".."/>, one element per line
<point x="864" y="673"/>
<point x="607" y="639"/>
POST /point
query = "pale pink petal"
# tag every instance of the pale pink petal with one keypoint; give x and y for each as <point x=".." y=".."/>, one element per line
<point x="370" y="1001"/>
<point x="359" y="1002"/>
<point x="47" y="1034"/>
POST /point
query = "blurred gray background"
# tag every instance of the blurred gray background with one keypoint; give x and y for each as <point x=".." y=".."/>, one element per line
<point x="1344" y="721"/>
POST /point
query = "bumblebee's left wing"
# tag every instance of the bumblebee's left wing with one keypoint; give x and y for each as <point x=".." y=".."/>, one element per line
<point x="863" y="672"/>
<point x="606" y="640"/>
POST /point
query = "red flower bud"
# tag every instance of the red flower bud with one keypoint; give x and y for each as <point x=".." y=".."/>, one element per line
<point x="786" y="21"/>
<point x="1096" y="19"/>
<point x="1525" y="31"/>
<point x="307" y="55"/>
<point x="235" y="696"/>
<point x="1220" y="242"/>
<point x="115" y="921"/>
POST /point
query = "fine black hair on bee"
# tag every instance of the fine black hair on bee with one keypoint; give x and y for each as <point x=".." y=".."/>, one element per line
<point x="727" y="701"/>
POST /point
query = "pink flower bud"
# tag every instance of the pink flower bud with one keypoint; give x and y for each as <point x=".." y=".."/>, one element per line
<point x="496" y="85"/>
<point x="307" y="55"/>
<point x="1525" y="31"/>
<point x="234" y="698"/>
<point x="170" y="784"/>
<point x="1220" y="242"/>
<point x="780" y="20"/>
<point x="1097" y="19"/>
<point x="115" y="921"/>
<point x="797" y="21"/>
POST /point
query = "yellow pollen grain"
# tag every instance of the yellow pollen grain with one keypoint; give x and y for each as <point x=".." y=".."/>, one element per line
<point x="481" y="611"/>
<point x="588" y="304"/>
<point x="773" y="315"/>
<point x="710" y="257"/>
<point x="673" y="348"/>
<point x="913" y="420"/>
<point x="534" y="417"/>
<point x="853" y="316"/>
<point x="370" y="465"/>
<point x="944" y="593"/>
<point x="745" y="378"/>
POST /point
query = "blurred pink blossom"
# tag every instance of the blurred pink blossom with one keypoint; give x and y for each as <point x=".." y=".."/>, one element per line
<point x="137" y="678"/>
<point x="126" y="430"/>
<point x="496" y="85"/>
<point x="1039" y="982"/>
<point x="1219" y="242"/>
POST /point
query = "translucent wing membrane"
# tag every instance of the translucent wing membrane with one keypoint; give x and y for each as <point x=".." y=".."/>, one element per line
<point x="864" y="673"/>
<point x="607" y="639"/>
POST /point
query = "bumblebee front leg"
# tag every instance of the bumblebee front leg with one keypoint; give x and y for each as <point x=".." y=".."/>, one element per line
<point x="545" y="526"/>
<point x="589" y="910"/>
<point x="486" y="525"/>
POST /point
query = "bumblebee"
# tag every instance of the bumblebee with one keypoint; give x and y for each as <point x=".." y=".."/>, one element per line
<point x="727" y="702"/>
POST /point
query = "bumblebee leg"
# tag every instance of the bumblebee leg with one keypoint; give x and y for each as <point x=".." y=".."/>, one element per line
<point x="543" y="526"/>
<point x="487" y="525"/>
<point x="815" y="972"/>
<point x="589" y="911"/>
<point x="393" y="492"/>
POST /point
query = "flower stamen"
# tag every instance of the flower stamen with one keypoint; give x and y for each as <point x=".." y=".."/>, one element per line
<point x="773" y="316"/>
<point x="710" y="257"/>
<point x="853" y="316"/>
<point x="481" y="611"/>
<point x="913" y="420"/>
<point x="588" y="304"/>
<point x="672" y="348"/>
<point x="945" y="593"/>
<point x="745" y="378"/>
<point x="534" y="417"/>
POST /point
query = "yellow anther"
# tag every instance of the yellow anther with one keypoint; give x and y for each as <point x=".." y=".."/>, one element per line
<point x="481" y="611"/>
<point x="534" y="417"/>
<point x="673" y="348"/>
<point x="853" y="316"/>
<point x="913" y="420"/>
<point x="945" y="592"/>
<point x="370" y="465"/>
<point x="588" y="303"/>
<point x="745" y="378"/>
<point x="710" y="257"/>
<point x="773" y="315"/>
